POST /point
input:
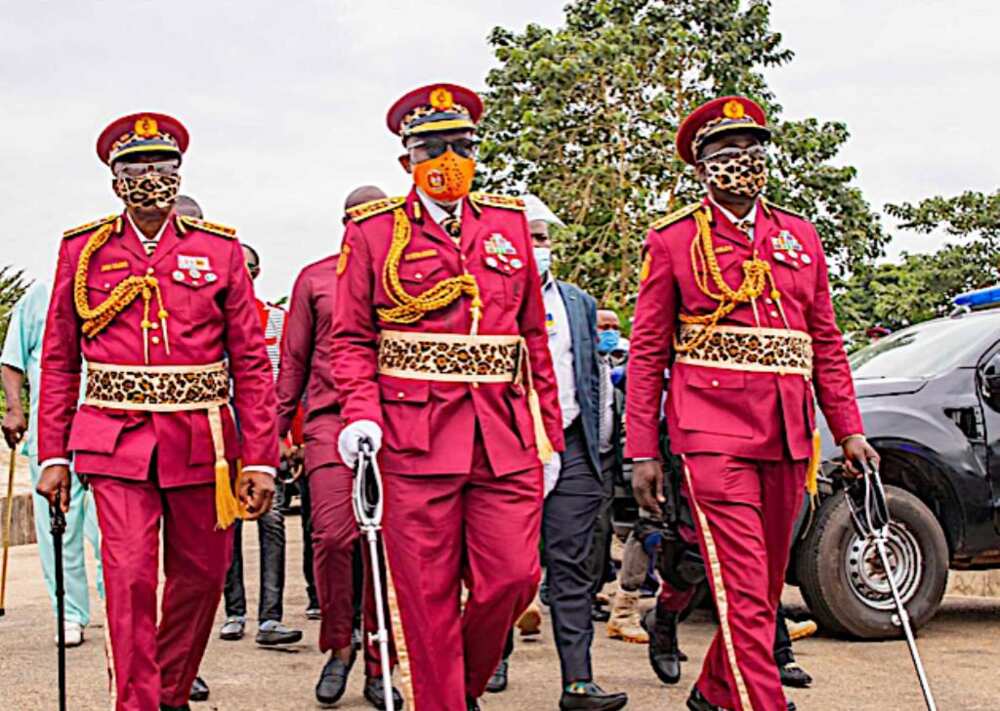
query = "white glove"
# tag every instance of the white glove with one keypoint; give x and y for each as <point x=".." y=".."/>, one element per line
<point x="551" y="472"/>
<point x="349" y="442"/>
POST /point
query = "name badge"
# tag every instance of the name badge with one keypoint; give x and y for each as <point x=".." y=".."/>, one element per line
<point x="188" y="262"/>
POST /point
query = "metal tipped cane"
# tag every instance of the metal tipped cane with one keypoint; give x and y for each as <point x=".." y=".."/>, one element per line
<point x="6" y="530"/>
<point x="58" y="528"/>
<point x="870" y="513"/>
<point x="368" y="512"/>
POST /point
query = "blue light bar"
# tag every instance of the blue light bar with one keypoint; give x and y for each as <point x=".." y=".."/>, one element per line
<point x="980" y="298"/>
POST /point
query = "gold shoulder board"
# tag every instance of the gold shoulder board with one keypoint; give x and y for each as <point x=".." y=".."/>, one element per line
<point x="781" y="208"/>
<point x="360" y="213"/>
<point x="676" y="216"/>
<point x="90" y="226"/>
<point x="191" y="223"/>
<point x="505" y="202"/>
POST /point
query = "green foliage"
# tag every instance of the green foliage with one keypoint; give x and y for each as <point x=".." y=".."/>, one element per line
<point x="584" y="116"/>
<point x="12" y="288"/>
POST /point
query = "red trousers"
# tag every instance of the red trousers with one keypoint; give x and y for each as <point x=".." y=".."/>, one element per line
<point x="441" y="531"/>
<point x="335" y="532"/>
<point x="157" y="665"/>
<point x="744" y="511"/>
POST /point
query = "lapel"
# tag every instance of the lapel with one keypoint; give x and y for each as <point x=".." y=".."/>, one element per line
<point x="765" y="227"/>
<point x="169" y="241"/>
<point x="472" y="227"/>
<point x="571" y="303"/>
<point x="130" y="240"/>
<point x="726" y="230"/>
<point x="417" y="213"/>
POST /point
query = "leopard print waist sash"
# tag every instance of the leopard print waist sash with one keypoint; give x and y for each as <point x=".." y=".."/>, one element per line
<point x="450" y="357"/>
<point x="171" y="388"/>
<point x="759" y="350"/>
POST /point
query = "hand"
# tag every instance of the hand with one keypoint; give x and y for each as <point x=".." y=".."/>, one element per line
<point x="14" y="426"/>
<point x="349" y="442"/>
<point x="255" y="492"/>
<point x="647" y="485"/>
<point x="53" y="484"/>
<point x="856" y="450"/>
<point x="550" y="473"/>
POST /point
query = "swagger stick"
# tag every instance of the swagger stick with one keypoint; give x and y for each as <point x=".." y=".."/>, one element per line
<point x="6" y="529"/>
<point x="58" y="528"/>
<point x="368" y="512"/>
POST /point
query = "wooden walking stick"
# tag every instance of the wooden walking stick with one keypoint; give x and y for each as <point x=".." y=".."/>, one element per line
<point x="6" y="530"/>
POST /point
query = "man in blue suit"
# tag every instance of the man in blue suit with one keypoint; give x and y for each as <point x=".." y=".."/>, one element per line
<point x="573" y="485"/>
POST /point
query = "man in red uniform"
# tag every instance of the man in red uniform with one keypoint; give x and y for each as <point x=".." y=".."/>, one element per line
<point x="305" y="371"/>
<point x="440" y="344"/>
<point x="161" y="309"/>
<point x="735" y="298"/>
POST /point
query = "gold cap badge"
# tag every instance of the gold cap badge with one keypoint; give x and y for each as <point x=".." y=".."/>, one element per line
<point x="441" y="99"/>
<point x="733" y="109"/>
<point x="146" y="127"/>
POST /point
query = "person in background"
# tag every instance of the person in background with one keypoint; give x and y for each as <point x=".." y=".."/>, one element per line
<point x="19" y="367"/>
<point x="575" y="490"/>
<point x="270" y="527"/>
<point x="306" y="372"/>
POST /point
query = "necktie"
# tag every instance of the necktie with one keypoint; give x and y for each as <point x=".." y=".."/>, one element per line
<point x="453" y="226"/>
<point x="149" y="245"/>
<point x="746" y="227"/>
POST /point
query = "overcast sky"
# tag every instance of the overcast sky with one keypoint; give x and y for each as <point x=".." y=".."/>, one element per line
<point x="286" y="101"/>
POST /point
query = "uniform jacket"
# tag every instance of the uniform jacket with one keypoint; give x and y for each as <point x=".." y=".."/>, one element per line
<point x="212" y="317"/>
<point x="735" y="412"/>
<point x="581" y="309"/>
<point x="429" y="426"/>
<point x="306" y="363"/>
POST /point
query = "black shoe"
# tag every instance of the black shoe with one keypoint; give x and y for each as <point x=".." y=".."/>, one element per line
<point x="199" y="690"/>
<point x="599" y="613"/>
<point x="274" y="634"/>
<point x="375" y="693"/>
<point x="795" y="676"/>
<point x="543" y="594"/>
<point x="697" y="702"/>
<point x="164" y="707"/>
<point x="313" y="612"/>
<point x="333" y="680"/>
<point x="590" y="697"/>
<point x="664" y="656"/>
<point x="471" y="704"/>
<point x="790" y="706"/>
<point x="498" y="682"/>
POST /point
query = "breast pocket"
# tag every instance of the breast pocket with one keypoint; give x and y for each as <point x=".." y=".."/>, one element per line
<point x="406" y="412"/>
<point x="714" y="400"/>
<point x="197" y="298"/>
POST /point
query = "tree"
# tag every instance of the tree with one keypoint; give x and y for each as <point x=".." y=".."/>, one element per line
<point x="584" y="116"/>
<point x="12" y="288"/>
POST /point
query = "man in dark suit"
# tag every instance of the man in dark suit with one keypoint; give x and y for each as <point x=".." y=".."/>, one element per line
<point x="573" y="486"/>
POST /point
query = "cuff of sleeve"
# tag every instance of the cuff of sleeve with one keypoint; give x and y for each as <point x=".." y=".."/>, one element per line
<point x="261" y="468"/>
<point x="859" y="435"/>
<point x="53" y="462"/>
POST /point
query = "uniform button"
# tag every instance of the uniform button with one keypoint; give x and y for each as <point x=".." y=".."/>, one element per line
<point x="401" y="395"/>
<point x="150" y="271"/>
<point x="155" y="340"/>
<point x="107" y="285"/>
<point x="418" y="275"/>
<point x="806" y="259"/>
<point x="768" y="301"/>
<point x="154" y="325"/>
<point x="774" y="314"/>
<point x="462" y="257"/>
<point x="715" y="383"/>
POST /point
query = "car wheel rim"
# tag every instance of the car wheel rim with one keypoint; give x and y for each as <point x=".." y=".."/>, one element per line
<point x="866" y="575"/>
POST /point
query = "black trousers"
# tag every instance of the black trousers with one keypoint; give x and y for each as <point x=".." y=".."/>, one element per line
<point x="600" y="550"/>
<point x="568" y="519"/>
<point x="307" y="548"/>
<point x="271" y="533"/>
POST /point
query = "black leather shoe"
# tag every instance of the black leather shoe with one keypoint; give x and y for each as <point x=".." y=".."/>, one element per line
<point x="274" y="634"/>
<point x="589" y="696"/>
<point x="664" y="655"/>
<point x="333" y="680"/>
<point x="697" y="702"/>
<point x="599" y="613"/>
<point x="199" y="690"/>
<point x="498" y="682"/>
<point x="375" y="694"/>
<point x="471" y="704"/>
<point x="795" y="676"/>
<point x="164" y="707"/>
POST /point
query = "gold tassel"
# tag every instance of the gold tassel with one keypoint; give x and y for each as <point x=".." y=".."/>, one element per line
<point x="812" y="473"/>
<point x="227" y="508"/>
<point x="545" y="450"/>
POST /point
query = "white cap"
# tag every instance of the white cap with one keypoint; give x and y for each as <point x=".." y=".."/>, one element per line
<point x="535" y="209"/>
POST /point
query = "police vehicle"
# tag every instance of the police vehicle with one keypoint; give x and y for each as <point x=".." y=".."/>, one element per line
<point x="930" y="399"/>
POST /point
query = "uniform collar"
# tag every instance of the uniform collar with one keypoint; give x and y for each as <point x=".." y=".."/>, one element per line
<point x="435" y="211"/>
<point x="142" y="235"/>
<point x="750" y="216"/>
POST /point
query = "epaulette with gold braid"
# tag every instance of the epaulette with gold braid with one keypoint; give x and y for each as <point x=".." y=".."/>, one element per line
<point x="781" y="208"/>
<point x="360" y="213"/>
<point x="90" y="226"/>
<point x="185" y="223"/>
<point x="676" y="216"/>
<point x="505" y="202"/>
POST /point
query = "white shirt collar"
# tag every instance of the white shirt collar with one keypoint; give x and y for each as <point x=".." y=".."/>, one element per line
<point x="751" y="216"/>
<point x="438" y="213"/>
<point x="142" y="235"/>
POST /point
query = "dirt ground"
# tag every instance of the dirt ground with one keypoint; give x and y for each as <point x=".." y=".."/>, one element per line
<point x="959" y="647"/>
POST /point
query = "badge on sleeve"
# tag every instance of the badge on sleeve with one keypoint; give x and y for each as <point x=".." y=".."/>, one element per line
<point x="345" y="254"/>
<point x="647" y="265"/>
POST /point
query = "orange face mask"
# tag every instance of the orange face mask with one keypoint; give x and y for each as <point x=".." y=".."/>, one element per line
<point x="447" y="178"/>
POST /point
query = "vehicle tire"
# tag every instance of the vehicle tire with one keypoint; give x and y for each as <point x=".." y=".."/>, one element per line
<point x="843" y="582"/>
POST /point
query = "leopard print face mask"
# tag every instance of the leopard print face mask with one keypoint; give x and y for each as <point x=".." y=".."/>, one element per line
<point x="149" y="190"/>
<point x="738" y="172"/>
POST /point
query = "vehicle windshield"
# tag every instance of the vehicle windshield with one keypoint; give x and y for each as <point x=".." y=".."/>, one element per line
<point x="918" y="352"/>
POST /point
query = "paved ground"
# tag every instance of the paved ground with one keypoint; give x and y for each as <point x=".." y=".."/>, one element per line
<point x="959" y="648"/>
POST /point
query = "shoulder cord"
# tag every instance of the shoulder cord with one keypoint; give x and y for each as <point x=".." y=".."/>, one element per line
<point x="756" y="276"/>
<point x="409" y="308"/>
<point x="96" y="319"/>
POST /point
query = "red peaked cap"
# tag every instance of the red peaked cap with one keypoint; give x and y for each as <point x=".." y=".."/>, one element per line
<point x="142" y="133"/>
<point x="726" y="114"/>
<point x="435" y="107"/>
